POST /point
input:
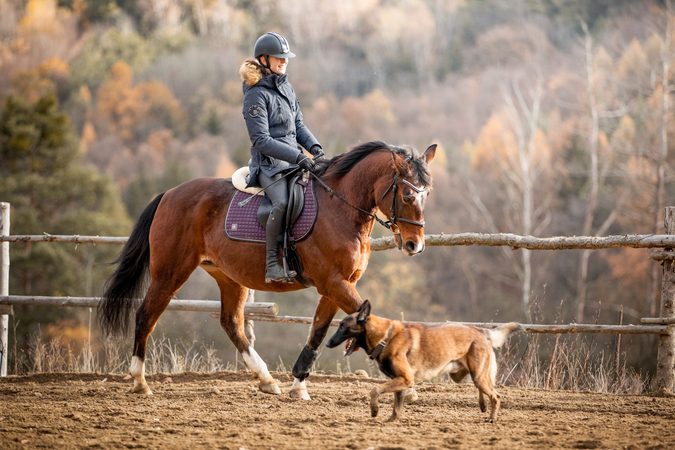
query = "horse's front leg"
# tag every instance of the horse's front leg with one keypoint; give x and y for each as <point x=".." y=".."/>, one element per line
<point x="341" y="295"/>
<point x="325" y="311"/>
<point x="233" y="298"/>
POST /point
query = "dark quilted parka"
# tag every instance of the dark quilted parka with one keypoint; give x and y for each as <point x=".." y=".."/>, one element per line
<point x="274" y="121"/>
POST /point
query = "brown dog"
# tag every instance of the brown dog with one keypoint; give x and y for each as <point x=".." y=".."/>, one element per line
<point x="407" y="353"/>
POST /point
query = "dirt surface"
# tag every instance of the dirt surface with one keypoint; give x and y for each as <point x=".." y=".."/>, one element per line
<point x="225" y="410"/>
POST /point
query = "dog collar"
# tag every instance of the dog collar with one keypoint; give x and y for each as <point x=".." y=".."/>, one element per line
<point x="375" y="352"/>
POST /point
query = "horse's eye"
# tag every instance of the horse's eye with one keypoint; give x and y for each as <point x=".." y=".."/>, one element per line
<point x="408" y="197"/>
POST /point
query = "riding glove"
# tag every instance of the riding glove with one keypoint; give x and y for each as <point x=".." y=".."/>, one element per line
<point x="317" y="152"/>
<point x="306" y="163"/>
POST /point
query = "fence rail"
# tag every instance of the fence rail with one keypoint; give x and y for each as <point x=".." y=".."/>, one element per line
<point x="268" y="312"/>
<point x="255" y="309"/>
<point x="527" y="327"/>
<point x="663" y="326"/>
<point x="435" y="240"/>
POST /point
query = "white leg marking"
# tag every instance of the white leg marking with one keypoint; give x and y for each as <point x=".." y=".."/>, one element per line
<point x="256" y="365"/>
<point x="299" y="390"/>
<point x="137" y="371"/>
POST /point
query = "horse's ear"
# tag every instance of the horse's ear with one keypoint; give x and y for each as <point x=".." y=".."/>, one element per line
<point x="429" y="153"/>
<point x="364" y="312"/>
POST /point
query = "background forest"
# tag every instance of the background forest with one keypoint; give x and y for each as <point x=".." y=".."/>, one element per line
<point x="553" y="117"/>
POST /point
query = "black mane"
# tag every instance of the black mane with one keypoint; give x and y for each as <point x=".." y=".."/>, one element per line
<point x="342" y="164"/>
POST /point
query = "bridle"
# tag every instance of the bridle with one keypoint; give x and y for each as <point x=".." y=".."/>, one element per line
<point x="394" y="201"/>
<point x="392" y="221"/>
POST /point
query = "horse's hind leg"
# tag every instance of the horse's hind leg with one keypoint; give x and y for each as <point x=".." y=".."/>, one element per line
<point x="232" y="301"/>
<point x="155" y="302"/>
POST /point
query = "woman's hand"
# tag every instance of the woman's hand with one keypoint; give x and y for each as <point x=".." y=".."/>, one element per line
<point x="306" y="163"/>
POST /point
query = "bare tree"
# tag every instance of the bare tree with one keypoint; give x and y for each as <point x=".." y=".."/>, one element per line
<point x="524" y="118"/>
<point x="519" y="166"/>
<point x="595" y="173"/>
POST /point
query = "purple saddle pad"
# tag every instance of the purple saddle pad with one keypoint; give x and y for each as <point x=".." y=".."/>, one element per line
<point x="241" y="223"/>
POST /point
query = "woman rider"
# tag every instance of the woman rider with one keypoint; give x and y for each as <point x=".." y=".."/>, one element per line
<point x="276" y="128"/>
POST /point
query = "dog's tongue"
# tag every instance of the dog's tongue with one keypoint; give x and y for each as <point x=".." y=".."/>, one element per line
<point x="351" y="346"/>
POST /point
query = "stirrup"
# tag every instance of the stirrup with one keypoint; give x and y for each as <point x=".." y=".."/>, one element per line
<point x="288" y="277"/>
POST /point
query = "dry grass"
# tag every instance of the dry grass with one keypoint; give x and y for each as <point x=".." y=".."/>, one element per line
<point x="573" y="363"/>
<point x="560" y="362"/>
<point x="164" y="356"/>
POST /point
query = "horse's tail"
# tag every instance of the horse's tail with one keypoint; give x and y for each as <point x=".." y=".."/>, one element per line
<point x="126" y="284"/>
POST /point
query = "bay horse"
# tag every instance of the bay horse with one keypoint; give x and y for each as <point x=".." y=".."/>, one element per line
<point x="183" y="228"/>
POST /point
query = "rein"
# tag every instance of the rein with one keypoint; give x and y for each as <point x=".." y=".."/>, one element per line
<point x="391" y="223"/>
<point x="333" y="192"/>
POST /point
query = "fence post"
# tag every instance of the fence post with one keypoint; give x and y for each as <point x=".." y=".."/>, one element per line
<point x="665" y="362"/>
<point x="4" y="288"/>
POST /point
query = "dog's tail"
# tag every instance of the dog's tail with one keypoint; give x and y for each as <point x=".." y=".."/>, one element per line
<point x="497" y="336"/>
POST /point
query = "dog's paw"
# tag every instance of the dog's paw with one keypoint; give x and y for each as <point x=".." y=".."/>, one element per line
<point x="374" y="403"/>
<point x="410" y="395"/>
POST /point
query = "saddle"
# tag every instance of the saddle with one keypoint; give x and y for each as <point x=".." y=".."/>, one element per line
<point x="249" y="209"/>
<point x="296" y="202"/>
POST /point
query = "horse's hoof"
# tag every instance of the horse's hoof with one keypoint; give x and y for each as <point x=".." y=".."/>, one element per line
<point x="392" y="418"/>
<point x="270" y="388"/>
<point x="142" y="389"/>
<point x="300" y="394"/>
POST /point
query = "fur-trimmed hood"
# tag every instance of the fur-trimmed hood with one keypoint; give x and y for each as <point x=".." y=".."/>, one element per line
<point x="251" y="72"/>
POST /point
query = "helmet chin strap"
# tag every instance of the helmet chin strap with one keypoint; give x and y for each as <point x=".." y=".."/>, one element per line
<point x="267" y="62"/>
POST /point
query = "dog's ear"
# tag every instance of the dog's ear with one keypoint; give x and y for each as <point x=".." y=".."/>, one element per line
<point x="364" y="312"/>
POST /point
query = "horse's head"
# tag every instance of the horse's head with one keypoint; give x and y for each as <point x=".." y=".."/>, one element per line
<point x="394" y="180"/>
<point x="401" y="196"/>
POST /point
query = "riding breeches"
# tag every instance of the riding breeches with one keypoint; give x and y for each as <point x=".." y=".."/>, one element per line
<point x="277" y="192"/>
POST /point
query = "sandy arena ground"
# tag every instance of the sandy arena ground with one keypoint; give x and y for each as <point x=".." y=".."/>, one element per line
<point x="225" y="410"/>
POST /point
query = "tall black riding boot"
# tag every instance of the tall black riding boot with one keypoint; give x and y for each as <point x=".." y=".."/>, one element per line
<point x="274" y="272"/>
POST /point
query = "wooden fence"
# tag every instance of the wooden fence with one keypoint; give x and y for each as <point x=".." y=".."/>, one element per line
<point x="663" y="326"/>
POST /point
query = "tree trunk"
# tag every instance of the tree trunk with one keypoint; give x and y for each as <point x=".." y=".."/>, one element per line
<point x="525" y="120"/>
<point x="663" y="156"/>
<point x="593" y="176"/>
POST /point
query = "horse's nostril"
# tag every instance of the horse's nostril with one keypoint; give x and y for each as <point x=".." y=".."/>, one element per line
<point x="410" y="246"/>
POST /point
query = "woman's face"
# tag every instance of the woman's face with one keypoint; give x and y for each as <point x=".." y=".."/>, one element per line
<point x="278" y="65"/>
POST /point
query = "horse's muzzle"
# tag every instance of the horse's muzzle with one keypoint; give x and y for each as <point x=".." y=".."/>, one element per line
<point x="413" y="248"/>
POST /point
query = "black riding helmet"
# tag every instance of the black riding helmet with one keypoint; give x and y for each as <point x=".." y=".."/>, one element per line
<point x="272" y="44"/>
